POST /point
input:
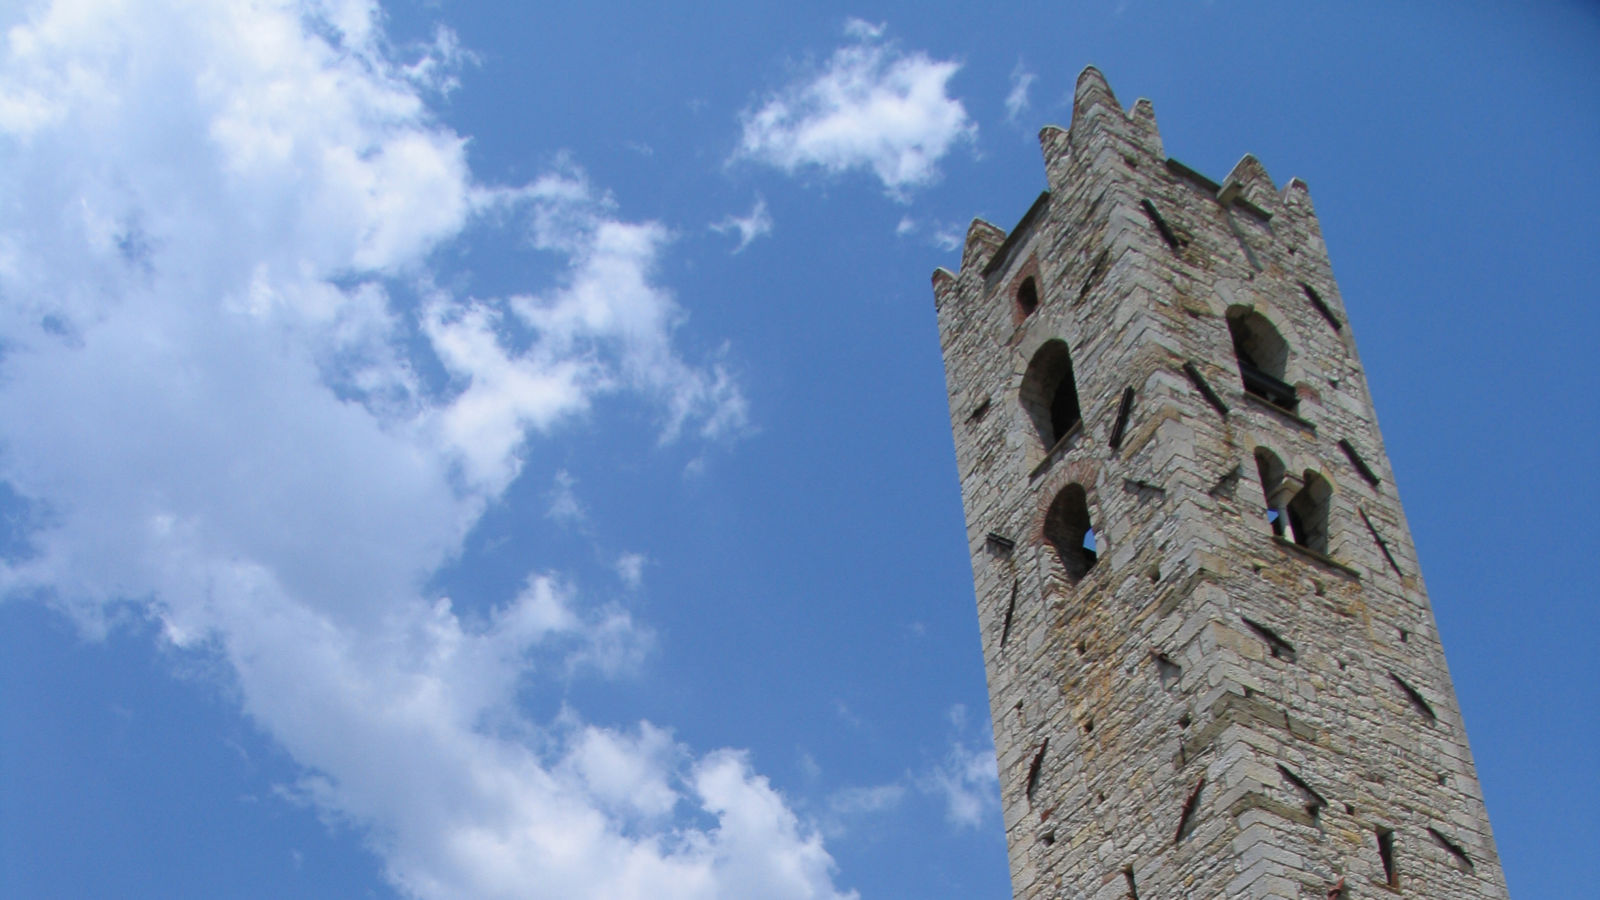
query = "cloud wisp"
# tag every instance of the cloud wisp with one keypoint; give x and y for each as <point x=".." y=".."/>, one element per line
<point x="1017" y="100"/>
<point x="238" y="429"/>
<point x="871" y="106"/>
<point x="757" y="223"/>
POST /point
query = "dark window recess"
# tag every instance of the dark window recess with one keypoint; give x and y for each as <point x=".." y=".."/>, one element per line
<point x="1068" y="529"/>
<point x="1050" y="393"/>
<point x="1315" y="802"/>
<point x="1123" y="411"/>
<point x="1186" y="818"/>
<point x="1035" y="766"/>
<point x="1225" y="484"/>
<point x="1000" y="543"/>
<point x="1391" y="872"/>
<point x="1365" y="471"/>
<point x="1133" y="888"/>
<point x="1258" y="382"/>
<point x="1096" y="272"/>
<point x="1321" y="305"/>
<point x="1263" y="357"/>
<point x="1204" y="387"/>
<point x="1270" y="469"/>
<point x="1161" y="225"/>
<point x="1455" y="849"/>
<point x="1011" y="609"/>
<point x="1416" y="698"/>
<point x="1382" y="544"/>
<point x="1308" y="513"/>
<point x="979" y="411"/>
<point x="1168" y="671"/>
<point x="1027" y="297"/>
<point x="1141" y="487"/>
<point x="1280" y="648"/>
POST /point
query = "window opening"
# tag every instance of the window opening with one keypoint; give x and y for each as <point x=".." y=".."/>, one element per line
<point x="1391" y="873"/>
<point x="1204" y="387"/>
<point x="1034" y="767"/>
<point x="1321" y="305"/>
<point x="1456" y="850"/>
<point x="1263" y="358"/>
<point x="1050" y="394"/>
<point x="1161" y="225"/>
<point x="1124" y="409"/>
<point x="1186" y="818"/>
<point x="1068" y="529"/>
<point x="1027" y="297"/>
<point x="1270" y="469"/>
<point x="1308" y="513"/>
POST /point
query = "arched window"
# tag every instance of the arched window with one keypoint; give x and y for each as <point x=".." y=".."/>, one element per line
<point x="1263" y="357"/>
<point x="1067" y="528"/>
<point x="1308" y="513"/>
<point x="1297" y="505"/>
<point x="1271" y="471"/>
<point x="1049" y="393"/>
<point x="1027" y="298"/>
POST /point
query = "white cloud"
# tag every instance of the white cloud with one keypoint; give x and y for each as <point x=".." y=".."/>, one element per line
<point x="944" y="236"/>
<point x="565" y="507"/>
<point x="630" y="568"/>
<point x="871" y="106"/>
<point x="749" y="227"/>
<point x="210" y="390"/>
<point x="1017" y="100"/>
<point x="858" y="800"/>
<point x="968" y="782"/>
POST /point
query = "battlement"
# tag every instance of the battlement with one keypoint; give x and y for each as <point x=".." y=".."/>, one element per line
<point x="1212" y="664"/>
<point x="1104" y="135"/>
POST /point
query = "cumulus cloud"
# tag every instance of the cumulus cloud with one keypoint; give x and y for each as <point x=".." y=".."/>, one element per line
<point x="757" y="223"/>
<point x="968" y="782"/>
<point x="872" y="106"/>
<point x="1017" y="101"/>
<point x="234" y="425"/>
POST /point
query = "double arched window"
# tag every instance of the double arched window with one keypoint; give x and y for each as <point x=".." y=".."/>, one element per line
<point x="1050" y="394"/>
<point x="1263" y="357"/>
<point x="1297" y="505"/>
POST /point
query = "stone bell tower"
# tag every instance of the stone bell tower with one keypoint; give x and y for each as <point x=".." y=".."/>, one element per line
<point x="1213" y="668"/>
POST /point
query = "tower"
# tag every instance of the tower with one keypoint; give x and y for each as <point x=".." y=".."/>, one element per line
<point x="1213" y="668"/>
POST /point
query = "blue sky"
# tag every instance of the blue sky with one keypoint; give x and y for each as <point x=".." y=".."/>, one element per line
<point x="486" y="450"/>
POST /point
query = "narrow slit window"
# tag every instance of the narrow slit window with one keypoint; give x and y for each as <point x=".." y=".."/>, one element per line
<point x="1124" y="409"/>
<point x="1050" y="393"/>
<point x="1263" y="357"/>
<point x="1069" y="531"/>
<point x="1321" y="305"/>
<point x="1161" y="225"/>
<point x="1035" y="767"/>
<point x="1391" y="872"/>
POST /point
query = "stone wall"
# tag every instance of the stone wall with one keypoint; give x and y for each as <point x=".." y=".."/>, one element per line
<point x="1213" y="709"/>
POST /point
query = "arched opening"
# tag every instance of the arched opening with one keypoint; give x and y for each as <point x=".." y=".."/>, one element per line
<point x="1069" y="531"/>
<point x="1308" y="513"/>
<point x="1263" y="357"/>
<point x="1270" y="469"/>
<point x="1027" y="298"/>
<point x="1050" y="394"/>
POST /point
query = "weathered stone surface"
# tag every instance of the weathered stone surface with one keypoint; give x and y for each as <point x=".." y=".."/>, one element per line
<point x="1223" y="702"/>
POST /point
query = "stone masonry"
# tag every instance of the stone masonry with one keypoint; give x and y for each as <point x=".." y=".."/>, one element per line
<point x="1213" y="668"/>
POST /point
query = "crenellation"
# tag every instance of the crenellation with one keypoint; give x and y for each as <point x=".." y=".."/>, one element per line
<point x="1271" y="643"/>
